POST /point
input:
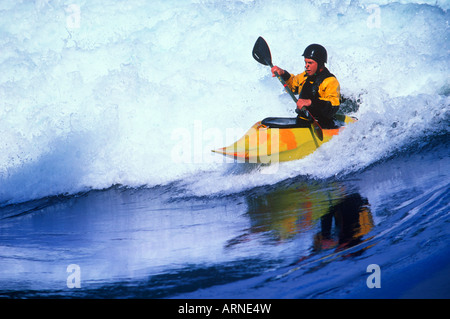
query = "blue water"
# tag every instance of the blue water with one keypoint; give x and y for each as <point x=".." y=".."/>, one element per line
<point x="108" y="114"/>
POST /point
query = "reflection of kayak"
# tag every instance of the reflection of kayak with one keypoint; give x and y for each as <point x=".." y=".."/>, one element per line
<point x="280" y="139"/>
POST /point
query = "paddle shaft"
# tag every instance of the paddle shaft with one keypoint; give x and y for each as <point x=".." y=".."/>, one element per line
<point x="285" y="85"/>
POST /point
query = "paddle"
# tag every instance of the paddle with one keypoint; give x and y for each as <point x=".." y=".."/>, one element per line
<point x="261" y="53"/>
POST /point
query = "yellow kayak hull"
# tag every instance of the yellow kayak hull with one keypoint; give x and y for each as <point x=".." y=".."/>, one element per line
<point x="262" y="144"/>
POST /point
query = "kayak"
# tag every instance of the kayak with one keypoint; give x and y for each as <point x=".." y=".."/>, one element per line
<point x="281" y="139"/>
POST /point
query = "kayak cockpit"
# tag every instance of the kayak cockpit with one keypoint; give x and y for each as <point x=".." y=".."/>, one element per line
<point x="300" y="122"/>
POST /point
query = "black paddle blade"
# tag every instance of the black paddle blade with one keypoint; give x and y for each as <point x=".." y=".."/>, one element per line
<point x="314" y="124"/>
<point x="318" y="130"/>
<point x="261" y="52"/>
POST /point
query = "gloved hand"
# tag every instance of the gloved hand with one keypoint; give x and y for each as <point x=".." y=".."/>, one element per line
<point x="301" y="103"/>
<point x="278" y="70"/>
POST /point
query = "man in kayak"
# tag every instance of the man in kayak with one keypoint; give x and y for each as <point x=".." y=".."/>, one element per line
<point x="318" y="89"/>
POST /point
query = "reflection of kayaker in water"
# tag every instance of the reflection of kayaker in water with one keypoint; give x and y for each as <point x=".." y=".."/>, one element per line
<point x="318" y="89"/>
<point x="352" y="220"/>
<point x="285" y="214"/>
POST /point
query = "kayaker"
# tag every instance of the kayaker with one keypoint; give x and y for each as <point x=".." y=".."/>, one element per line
<point x="318" y="89"/>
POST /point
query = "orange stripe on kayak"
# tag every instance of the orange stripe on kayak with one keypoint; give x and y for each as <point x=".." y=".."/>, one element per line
<point x="288" y="137"/>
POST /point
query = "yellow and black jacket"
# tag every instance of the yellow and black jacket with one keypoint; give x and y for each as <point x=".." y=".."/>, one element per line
<point x="322" y="89"/>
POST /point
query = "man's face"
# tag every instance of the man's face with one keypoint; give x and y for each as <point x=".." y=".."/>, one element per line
<point x="310" y="67"/>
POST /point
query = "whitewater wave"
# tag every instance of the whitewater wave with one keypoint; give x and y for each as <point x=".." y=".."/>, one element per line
<point x="138" y="93"/>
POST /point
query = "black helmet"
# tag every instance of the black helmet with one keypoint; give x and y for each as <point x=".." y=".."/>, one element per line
<point x="316" y="52"/>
